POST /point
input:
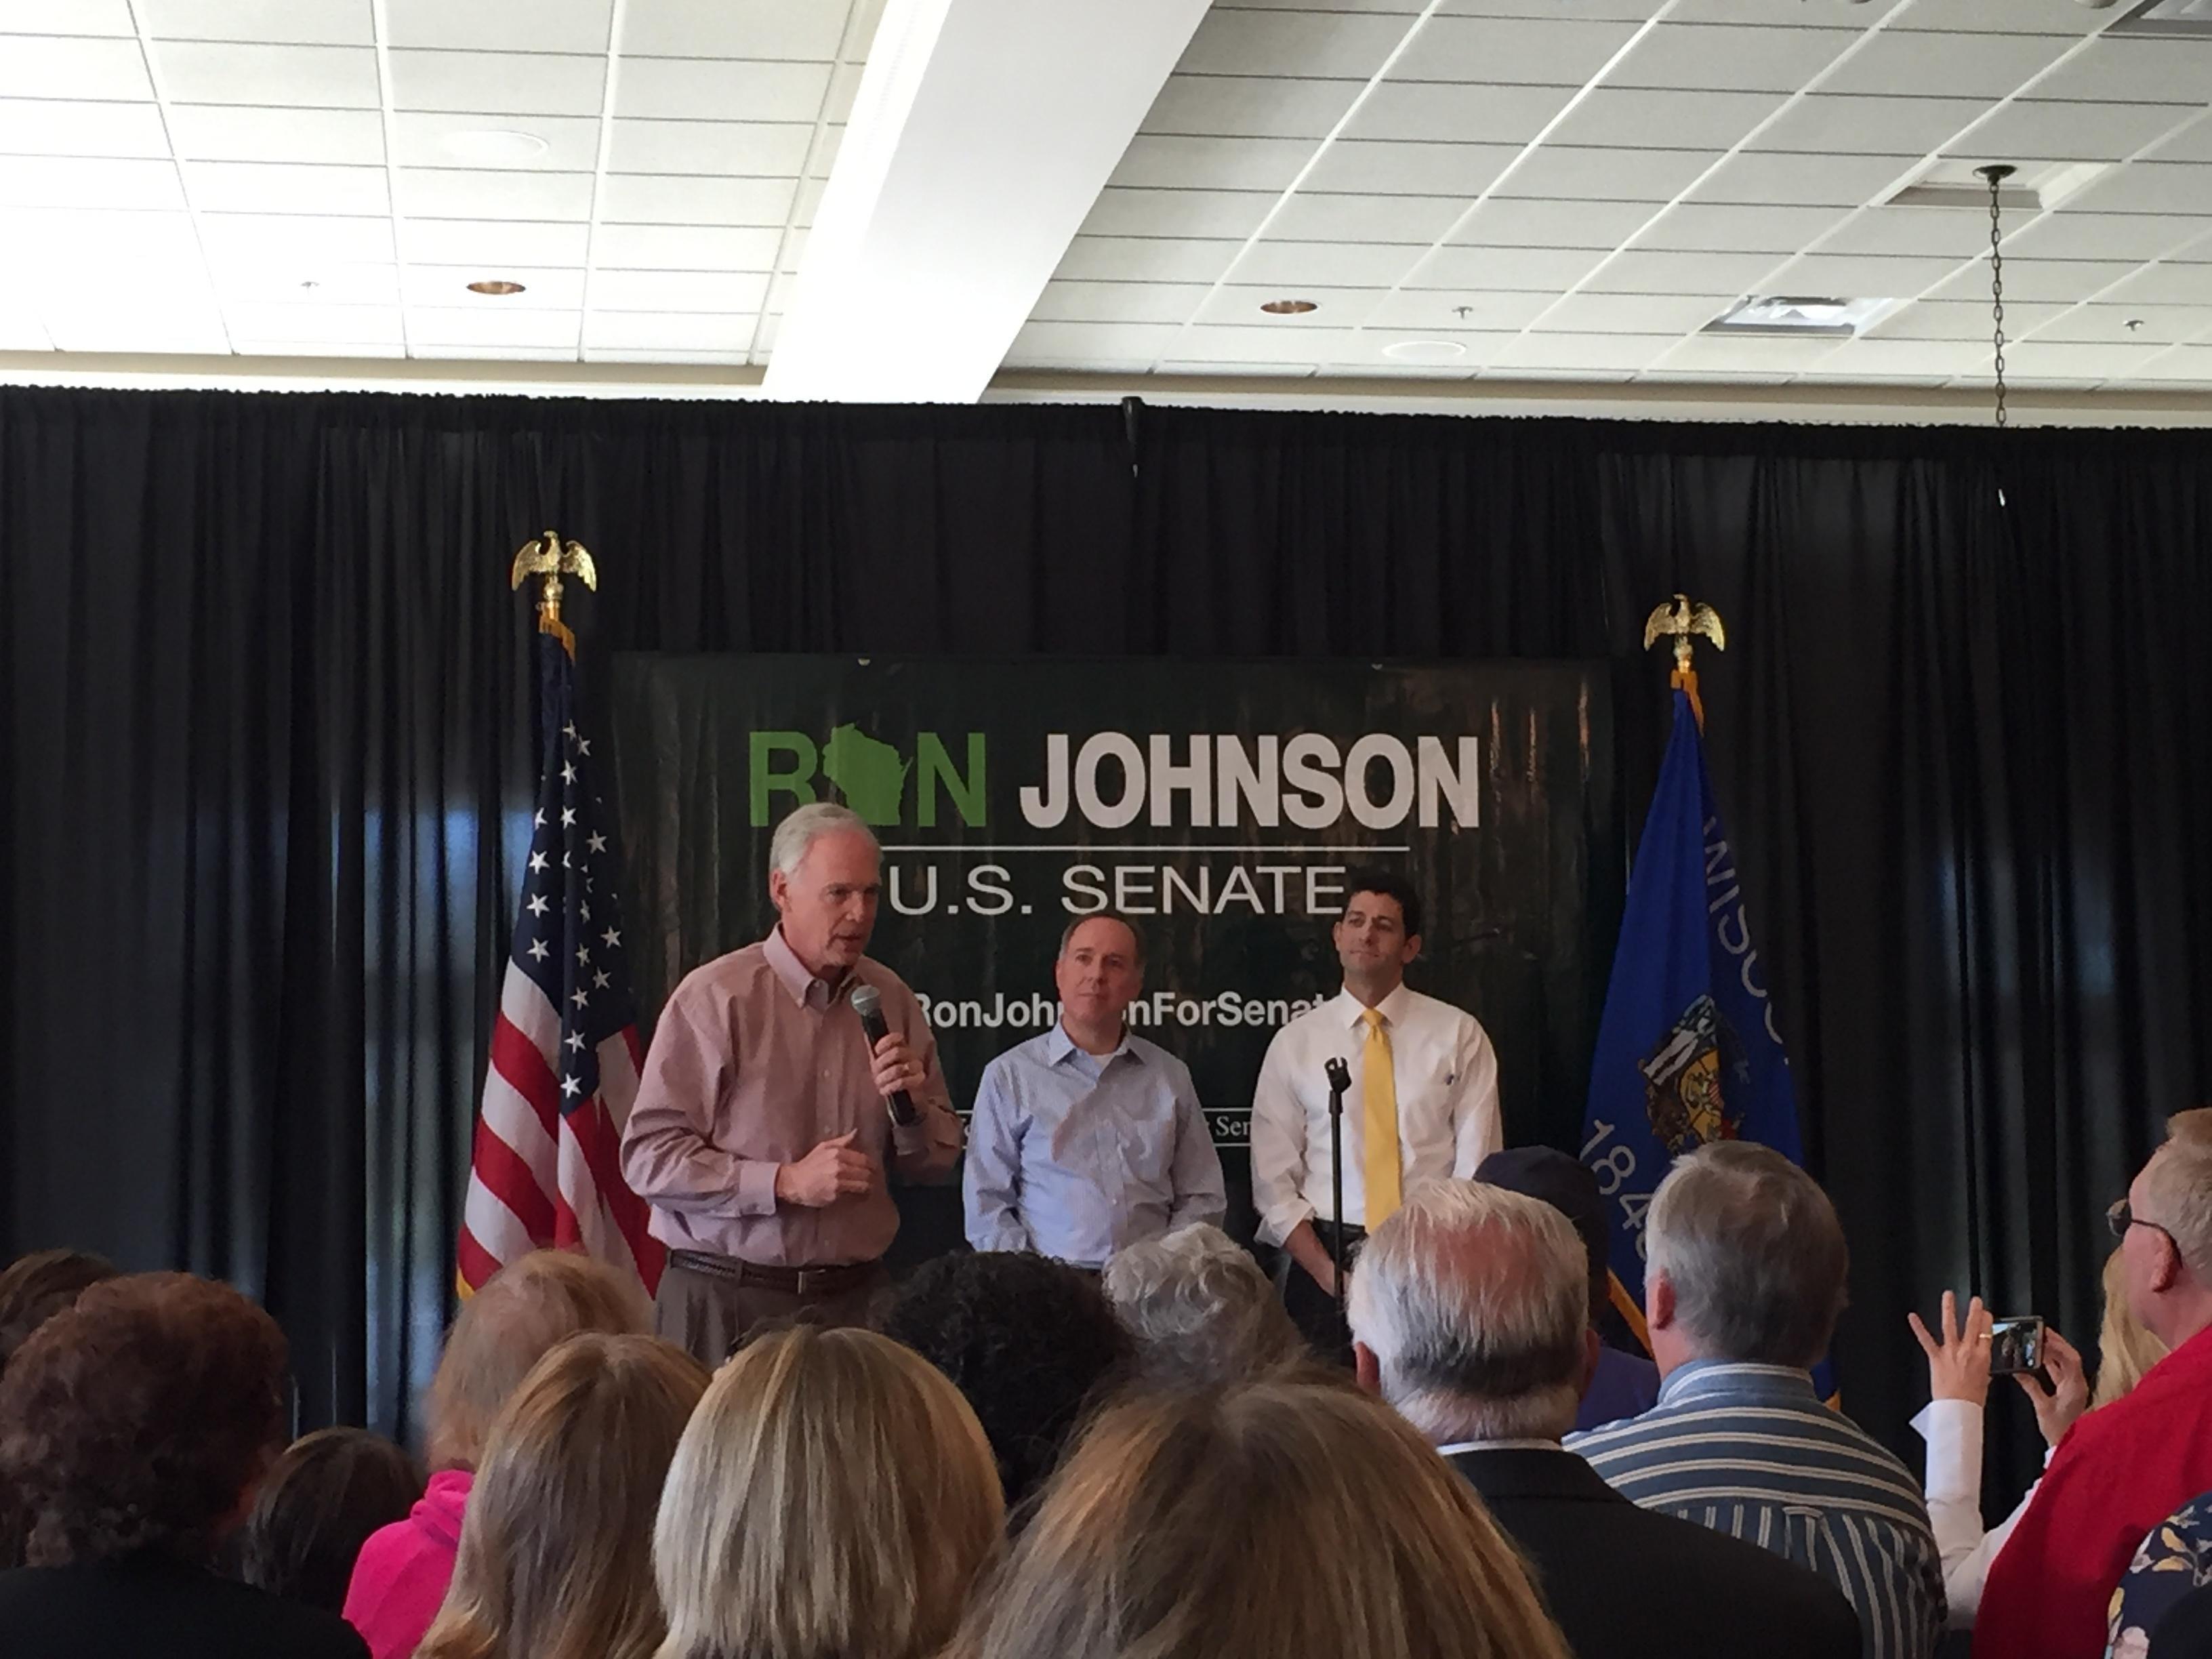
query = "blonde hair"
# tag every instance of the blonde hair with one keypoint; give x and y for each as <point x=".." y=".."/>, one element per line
<point x="555" y="1561"/>
<point x="2126" y="1347"/>
<point x="834" y="1496"/>
<point x="505" y="1328"/>
<point x="1182" y="1528"/>
<point x="2178" y="1190"/>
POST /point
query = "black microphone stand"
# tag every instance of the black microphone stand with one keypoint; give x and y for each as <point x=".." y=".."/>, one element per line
<point x="1340" y="1079"/>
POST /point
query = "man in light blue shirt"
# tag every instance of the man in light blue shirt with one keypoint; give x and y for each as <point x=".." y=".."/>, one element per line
<point x="1088" y="1138"/>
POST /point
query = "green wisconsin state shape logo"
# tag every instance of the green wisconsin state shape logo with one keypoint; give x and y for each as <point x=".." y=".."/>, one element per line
<point x="870" y="773"/>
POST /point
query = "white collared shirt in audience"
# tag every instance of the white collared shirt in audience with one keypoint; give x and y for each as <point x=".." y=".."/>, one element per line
<point x="1952" y="1429"/>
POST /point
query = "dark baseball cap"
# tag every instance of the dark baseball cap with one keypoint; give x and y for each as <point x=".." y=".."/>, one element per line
<point x="1546" y="1173"/>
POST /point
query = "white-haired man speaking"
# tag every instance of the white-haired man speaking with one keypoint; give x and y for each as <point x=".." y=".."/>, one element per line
<point x="760" y="1134"/>
<point x="1470" y="1314"/>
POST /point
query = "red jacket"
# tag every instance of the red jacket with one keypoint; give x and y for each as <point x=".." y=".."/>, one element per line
<point x="2120" y="1471"/>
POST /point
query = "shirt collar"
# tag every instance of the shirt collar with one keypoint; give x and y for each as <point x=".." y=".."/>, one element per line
<point x="808" y="990"/>
<point x="1715" y="1379"/>
<point x="1458" y="1446"/>
<point x="1058" y="1046"/>
<point x="1394" y="1008"/>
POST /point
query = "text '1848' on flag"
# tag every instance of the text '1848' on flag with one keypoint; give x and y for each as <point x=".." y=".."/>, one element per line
<point x="545" y="1171"/>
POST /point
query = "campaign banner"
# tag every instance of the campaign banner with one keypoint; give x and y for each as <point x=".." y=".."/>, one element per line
<point x="1221" y="804"/>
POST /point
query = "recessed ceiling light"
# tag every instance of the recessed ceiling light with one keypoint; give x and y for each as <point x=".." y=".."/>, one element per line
<point x="1782" y="314"/>
<point x="1424" y="351"/>
<point x="1289" y="307"/>
<point x="495" y="286"/>
<point x="493" y="144"/>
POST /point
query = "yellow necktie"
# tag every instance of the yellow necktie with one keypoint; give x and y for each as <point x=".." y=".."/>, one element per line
<point x="1379" y="1124"/>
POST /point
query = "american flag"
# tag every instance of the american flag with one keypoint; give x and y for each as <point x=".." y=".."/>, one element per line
<point x="564" y="1050"/>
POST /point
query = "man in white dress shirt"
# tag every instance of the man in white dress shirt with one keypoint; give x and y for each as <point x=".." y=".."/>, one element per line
<point x="1424" y="1085"/>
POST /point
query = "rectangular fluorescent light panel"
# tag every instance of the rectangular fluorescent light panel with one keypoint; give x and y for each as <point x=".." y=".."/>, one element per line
<point x="1798" y="314"/>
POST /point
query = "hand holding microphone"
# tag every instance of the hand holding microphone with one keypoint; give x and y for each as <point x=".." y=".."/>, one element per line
<point x="895" y="1068"/>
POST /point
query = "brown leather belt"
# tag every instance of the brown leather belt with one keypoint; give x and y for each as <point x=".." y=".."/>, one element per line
<point x="791" y="1281"/>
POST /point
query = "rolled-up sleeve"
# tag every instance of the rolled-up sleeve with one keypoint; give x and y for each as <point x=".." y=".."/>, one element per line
<point x="669" y="1157"/>
<point x="924" y="1151"/>
<point x="1278" y="1147"/>
<point x="992" y="1183"/>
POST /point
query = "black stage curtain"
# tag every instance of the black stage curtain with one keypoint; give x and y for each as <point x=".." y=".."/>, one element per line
<point x="268" y="745"/>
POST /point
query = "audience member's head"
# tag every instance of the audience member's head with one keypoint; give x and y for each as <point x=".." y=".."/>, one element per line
<point x="2125" y="1347"/>
<point x="556" y="1560"/>
<point x="1200" y="1309"/>
<point x="525" y="1308"/>
<point x="1032" y="1343"/>
<point x="316" y="1506"/>
<point x="1287" y="1516"/>
<point x="1569" y="1187"/>
<point x="36" y="1287"/>
<point x="2167" y="1248"/>
<point x="141" y="1420"/>
<point x="1745" y="1260"/>
<point x="834" y="1498"/>
<point x="1470" y="1314"/>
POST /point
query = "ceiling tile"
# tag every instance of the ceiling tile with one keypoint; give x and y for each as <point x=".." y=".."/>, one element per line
<point x="1330" y="45"/>
<point x="315" y="323"/>
<point x="1138" y="259"/>
<point x="2068" y="280"/>
<point x="1437" y="110"/>
<point x="460" y="325"/>
<point x="1722" y="226"/>
<point x="1710" y="120"/>
<point x="1833" y="180"/>
<point x="294" y="241"/>
<point x="1594" y="351"/>
<point x="246" y="346"/>
<point x="844" y="90"/>
<point x="84" y="239"/>
<point x="667" y="199"/>
<point x="684" y="248"/>
<point x="2190" y="144"/>
<point x="1249" y="106"/>
<point x="194" y="329"/>
<point x="1862" y="276"/>
<point x="721" y="89"/>
<point x="690" y="331"/>
<point x="1962" y="319"/>
<point x="578" y="26"/>
<point x="1929" y="65"/>
<point x="51" y="127"/>
<point x="20" y="332"/>
<point x="481" y="351"/>
<point x="467" y="193"/>
<point x="1634" y="314"/>
<point x="498" y="82"/>
<point x="656" y="355"/>
<point x="307" y="78"/>
<point x="1957" y="233"/>
<point x="420" y="138"/>
<point x="678" y="290"/>
<point x="542" y="288"/>
<point x="1381" y="166"/>
<point x="2067" y="235"/>
<point x="2159" y="284"/>
<point x="1763" y="13"/>
<point x="2115" y="69"/>
<point x="1422" y="311"/>
<point x="1580" y="171"/>
<point x="1295" y="265"/>
<point x="823" y="156"/>
<point x="1235" y="342"/>
<point x="1715" y="58"/>
<point x="808" y="202"/>
<point x="1205" y="213"/>
<point x="754" y="148"/>
<point x="733" y="29"/>
<point x="1068" y="302"/>
<point x="1239" y="304"/>
<point x="1242" y="371"/>
<point x="2064" y="360"/>
<point x="1826" y="125"/>
<point x="1909" y="360"/>
<point x="1077" y="341"/>
<point x="1478" y="347"/>
<point x="1417" y="219"/>
<point x="37" y="66"/>
<point x="70" y="181"/>
<point x="1517" y="222"/>
<point x="1998" y="17"/>
<point x="1477" y="269"/>
<point x="2148" y="187"/>
<point x="2160" y="325"/>
<point x="241" y="132"/>
<point x="269" y="22"/>
<point x="286" y="187"/>
<point x="1163" y="161"/>
<point x="1526" y="51"/>
<point x="66" y="17"/>
<point x="2191" y="364"/>
<point x="2032" y="130"/>
<point x="1748" y="354"/>
<point x="256" y="282"/>
<point x="492" y="243"/>
<point x="1653" y="271"/>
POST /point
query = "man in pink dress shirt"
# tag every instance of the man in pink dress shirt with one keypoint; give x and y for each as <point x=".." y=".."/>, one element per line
<point x="761" y="1135"/>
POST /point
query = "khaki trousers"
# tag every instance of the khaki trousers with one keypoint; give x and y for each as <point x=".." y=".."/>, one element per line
<point x="710" y="1315"/>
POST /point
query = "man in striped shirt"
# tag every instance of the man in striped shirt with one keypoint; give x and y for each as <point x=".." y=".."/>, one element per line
<point x="1743" y="1281"/>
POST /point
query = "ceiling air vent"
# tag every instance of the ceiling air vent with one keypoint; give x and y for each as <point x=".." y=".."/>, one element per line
<point x="2167" y="20"/>
<point x="2037" y="187"/>
<point x="1800" y="315"/>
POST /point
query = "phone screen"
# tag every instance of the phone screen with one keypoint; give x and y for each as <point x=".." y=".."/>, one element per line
<point x="2015" y="1345"/>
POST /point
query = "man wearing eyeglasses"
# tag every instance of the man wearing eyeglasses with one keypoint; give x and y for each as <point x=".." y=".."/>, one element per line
<point x="2124" y="1469"/>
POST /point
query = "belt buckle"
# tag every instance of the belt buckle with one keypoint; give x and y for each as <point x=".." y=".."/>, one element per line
<point x="809" y="1282"/>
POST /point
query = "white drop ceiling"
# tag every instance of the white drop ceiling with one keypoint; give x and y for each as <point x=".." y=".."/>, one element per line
<point x="1565" y="190"/>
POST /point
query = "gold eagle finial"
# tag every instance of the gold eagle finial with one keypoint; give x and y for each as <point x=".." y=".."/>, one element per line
<point x="1681" y="621"/>
<point x="552" y="558"/>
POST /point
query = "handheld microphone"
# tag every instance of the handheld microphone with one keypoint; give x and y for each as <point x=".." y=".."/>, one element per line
<point x="868" y="1004"/>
